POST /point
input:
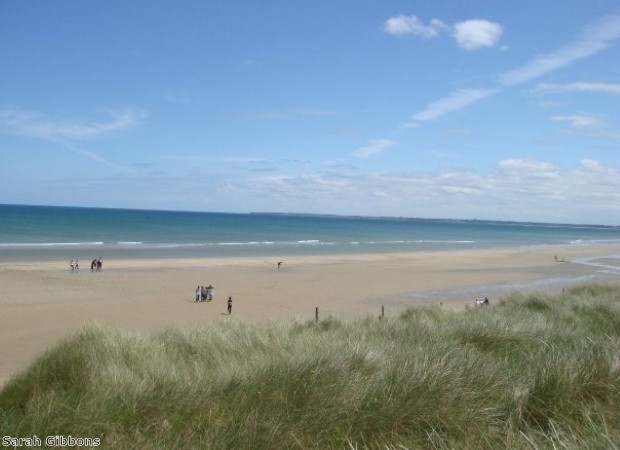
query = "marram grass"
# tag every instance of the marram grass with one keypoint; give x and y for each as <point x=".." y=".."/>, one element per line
<point x="531" y="372"/>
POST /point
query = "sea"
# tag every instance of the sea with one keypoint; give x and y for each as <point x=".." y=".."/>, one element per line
<point x="52" y="233"/>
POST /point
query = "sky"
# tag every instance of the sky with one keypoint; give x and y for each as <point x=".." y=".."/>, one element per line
<point x="465" y="109"/>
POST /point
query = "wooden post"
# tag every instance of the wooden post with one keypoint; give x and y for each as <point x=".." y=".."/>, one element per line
<point x="316" y="314"/>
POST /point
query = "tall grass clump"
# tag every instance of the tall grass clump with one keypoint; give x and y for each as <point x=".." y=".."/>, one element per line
<point x="532" y="372"/>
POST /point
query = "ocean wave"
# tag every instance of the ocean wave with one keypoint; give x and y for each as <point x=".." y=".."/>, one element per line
<point x="434" y="241"/>
<point x="275" y="243"/>
<point x="594" y="241"/>
<point x="49" y="244"/>
<point x="416" y="241"/>
<point x="302" y="242"/>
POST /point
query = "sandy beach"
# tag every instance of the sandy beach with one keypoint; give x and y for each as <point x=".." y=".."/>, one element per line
<point x="43" y="302"/>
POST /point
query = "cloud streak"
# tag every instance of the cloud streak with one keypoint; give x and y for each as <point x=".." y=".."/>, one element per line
<point x="36" y="125"/>
<point x="594" y="39"/>
<point x="373" y="148"/>
<point x="588" y="125"/>
<point x="453" y="102"/>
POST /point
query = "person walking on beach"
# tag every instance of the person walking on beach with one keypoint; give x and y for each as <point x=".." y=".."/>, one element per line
<point x="198" y="293"/>
<point x="229" y="303"/>
<point x="209" y="293"/>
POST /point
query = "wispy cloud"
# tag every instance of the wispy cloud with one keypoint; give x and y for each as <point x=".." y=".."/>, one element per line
<point x="594" y="39"/>
<point x="582" y="86"/>
<point x="92" y="156"/>
<point x="588" y="125"/>
<point x="581" y="121"/>
<point x="37" y="125"/>
<point x="373" y="148"/>
<point x="66" y="133"/>
<point x="478" y="33"/>
<point x="453" y="102"/>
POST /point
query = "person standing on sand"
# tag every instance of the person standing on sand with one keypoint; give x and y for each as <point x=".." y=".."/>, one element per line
<point x="198" y="293"/>
<point x="229" y="303"/>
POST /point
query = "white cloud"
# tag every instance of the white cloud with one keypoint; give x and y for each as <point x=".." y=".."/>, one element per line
<point x="594" y="39"/>
<point x="373" y="148"/>
<point x="402" y="25"/>
<point x="583" y="86"/>
<point x="477" y="33"/>
<point x="469" y="34"/>
<point x="453" y="102"/>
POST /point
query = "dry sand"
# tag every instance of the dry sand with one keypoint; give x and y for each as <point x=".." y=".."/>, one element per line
<point x="40" y="303"/>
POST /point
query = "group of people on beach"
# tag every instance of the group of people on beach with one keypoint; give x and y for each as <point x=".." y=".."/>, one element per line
<point x="206" y="294"/>
<point x="95" y="265"/>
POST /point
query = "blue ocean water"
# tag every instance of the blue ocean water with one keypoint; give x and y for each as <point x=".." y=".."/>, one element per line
<point x="59" y="233"/>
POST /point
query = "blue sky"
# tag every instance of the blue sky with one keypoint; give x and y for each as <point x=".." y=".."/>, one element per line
<point x="444" y="109"/>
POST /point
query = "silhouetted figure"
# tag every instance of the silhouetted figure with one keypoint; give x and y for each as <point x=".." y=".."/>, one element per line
<point x="229" y="303"/>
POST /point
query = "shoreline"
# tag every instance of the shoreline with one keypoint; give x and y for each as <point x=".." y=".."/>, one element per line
<point x="143" y="262"/>
<point x="42" y="302"/>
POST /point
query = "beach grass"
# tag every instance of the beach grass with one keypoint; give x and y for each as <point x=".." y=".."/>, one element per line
<point x="535" y="371"/>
